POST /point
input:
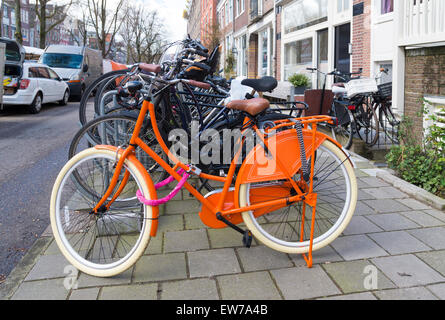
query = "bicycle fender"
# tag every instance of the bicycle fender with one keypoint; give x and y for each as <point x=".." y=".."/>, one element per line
<point x="148" y="181"/>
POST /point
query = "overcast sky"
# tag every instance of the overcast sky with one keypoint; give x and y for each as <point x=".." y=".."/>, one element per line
<point x="169" y="10"/>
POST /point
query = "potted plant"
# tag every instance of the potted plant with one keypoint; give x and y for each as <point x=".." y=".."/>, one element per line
<point x="300" y="82"/>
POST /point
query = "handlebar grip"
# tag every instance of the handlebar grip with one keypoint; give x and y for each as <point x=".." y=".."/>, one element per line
<point x="154" y="68"/>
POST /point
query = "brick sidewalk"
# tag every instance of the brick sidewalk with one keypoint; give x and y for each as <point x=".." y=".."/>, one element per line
<point x="397" y="236"/>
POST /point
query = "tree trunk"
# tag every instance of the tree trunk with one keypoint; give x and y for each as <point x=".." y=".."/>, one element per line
<point x="42" y="20"/>
<point x="18" y="21"/>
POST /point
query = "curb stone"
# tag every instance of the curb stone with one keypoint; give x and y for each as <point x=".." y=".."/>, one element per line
<point x="412" y="190"/>
<point x="21" y="270"/>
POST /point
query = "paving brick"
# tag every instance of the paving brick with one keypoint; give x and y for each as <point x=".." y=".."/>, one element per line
<point x="352" y="276"/>
<point x="47" y="267"/>
<point x="170" y="223"/>
<point x="374" y="182"/>
<point x="41" y="290"/>
<point x="196" y="289"/>
<point x="262" y="258"/>
<point x="53" y="248"/>
<point x="363" y="209"/>
<point x="386" y="205"/>
<point x="438" y="290"/>
<point x="213" y="262"/>
<point x="182" y="207"/>
<point x="360" y="225"/>
<point x="223" y="238"/>
<point x="435" y="259"/>
<point x="423" y="219"/>
<point x="86" y="280"/>
<point x="193" y="221"/>
<point x="434" y="237"/>
<point x="131" y="292"/>
<point x="85" y="294"/>
<point x="414" y="204"/>
<point x="393" y="222"/>
<point x="407" y="270"/>
<point x="357" y="247"/>
<point x="304" y="283"/>
<point x="418" y="293"/>
<point x="385" y="193"/>
<point x="188" y="240"/>
<point x="355" y="296"/>
<point x="160" y="267"/>
<point x="155" y="245"/>
<point x="436" y="214"/>
<point x="248" y="286"/>
<point x="324" y="255"/>
<point x="399" y="242"/>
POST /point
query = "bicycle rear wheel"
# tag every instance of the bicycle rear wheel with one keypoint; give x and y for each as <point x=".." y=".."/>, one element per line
<point x="86" y="107"/>
<point x="389" y="123"/>
<point x="282" y="228"/>
<point x="344" y="131"/>
<point x="101" y="244"/>
<point x="367" y="124"/>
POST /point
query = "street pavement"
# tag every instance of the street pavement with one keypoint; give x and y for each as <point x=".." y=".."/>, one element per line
<point x="33" y="148"/>
<point x="394" y="248"/>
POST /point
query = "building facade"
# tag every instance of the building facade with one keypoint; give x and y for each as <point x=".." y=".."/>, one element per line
<point x="194" y="19"/>
<point x="283" y="37"/>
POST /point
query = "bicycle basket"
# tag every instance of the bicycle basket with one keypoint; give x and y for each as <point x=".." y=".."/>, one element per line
<point x="385" y="90"/>
<point x="360" y="86"/>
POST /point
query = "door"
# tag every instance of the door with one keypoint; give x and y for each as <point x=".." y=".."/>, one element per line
<point x="342" y="60"/>
<point x="322" y="55"/>
<point x="57" y="85"/>
<point x="46" y="84"/>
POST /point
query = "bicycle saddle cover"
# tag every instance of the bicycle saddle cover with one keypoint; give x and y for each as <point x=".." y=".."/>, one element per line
<point x="252" y="106"/>
<point x="265" y="84"/>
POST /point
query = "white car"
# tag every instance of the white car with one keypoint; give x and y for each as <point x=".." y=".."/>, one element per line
<point x="37" y="85"/>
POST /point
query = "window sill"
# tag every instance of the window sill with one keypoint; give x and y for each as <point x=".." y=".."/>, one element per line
<point x="382" y="18"/>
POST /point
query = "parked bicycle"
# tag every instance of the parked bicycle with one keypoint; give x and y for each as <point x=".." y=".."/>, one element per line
<point x="295" y="191"/>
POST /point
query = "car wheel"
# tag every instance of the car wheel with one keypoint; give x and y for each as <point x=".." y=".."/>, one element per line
<point x="36" y="105"/>
<point x="66" y="96"/>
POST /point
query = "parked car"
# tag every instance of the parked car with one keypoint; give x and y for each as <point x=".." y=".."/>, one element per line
<point x="15" y="55"/>
<point x="78" y="66"/>
<point x="38" y="84"/>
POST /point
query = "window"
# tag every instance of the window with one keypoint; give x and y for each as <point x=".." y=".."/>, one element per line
<point x="239" y="7"/>
<point x="304" y="13"/>
<point x="230" y="10"/>
<point x="387" y="6"/>
<point x="227" y="13"/>
<point x="342" y="5"/>
<point x="297" y="56"/>
<point x="43" y="73"/>
<point x="33" y="72"/>
<point x="53" y="75"/>
<point x="264" y="55"/>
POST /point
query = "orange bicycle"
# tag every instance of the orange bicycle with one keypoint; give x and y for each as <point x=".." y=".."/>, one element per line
<point x="295" y="191"/>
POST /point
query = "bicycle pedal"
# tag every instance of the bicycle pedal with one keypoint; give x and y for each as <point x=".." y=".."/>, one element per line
<point x="247" y="239"/>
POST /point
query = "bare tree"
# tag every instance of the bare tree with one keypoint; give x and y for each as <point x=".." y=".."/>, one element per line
<point x="105" y="22"/>
<point x="82" y="24"/>
<point x="50" y="15"/>
<point x="18" y="21"/>
<point x="142" y="32"/>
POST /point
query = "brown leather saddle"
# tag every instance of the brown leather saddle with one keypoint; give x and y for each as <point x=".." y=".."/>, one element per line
<point x="252" y="106"/>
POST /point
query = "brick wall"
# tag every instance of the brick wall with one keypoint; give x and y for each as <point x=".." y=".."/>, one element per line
<point x="361" y="39"/>
<point x="424" y="75"/>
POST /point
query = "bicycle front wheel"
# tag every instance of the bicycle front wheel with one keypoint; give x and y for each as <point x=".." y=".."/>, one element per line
<point x="283" y="229"/>
<point x="101" y="244"/>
